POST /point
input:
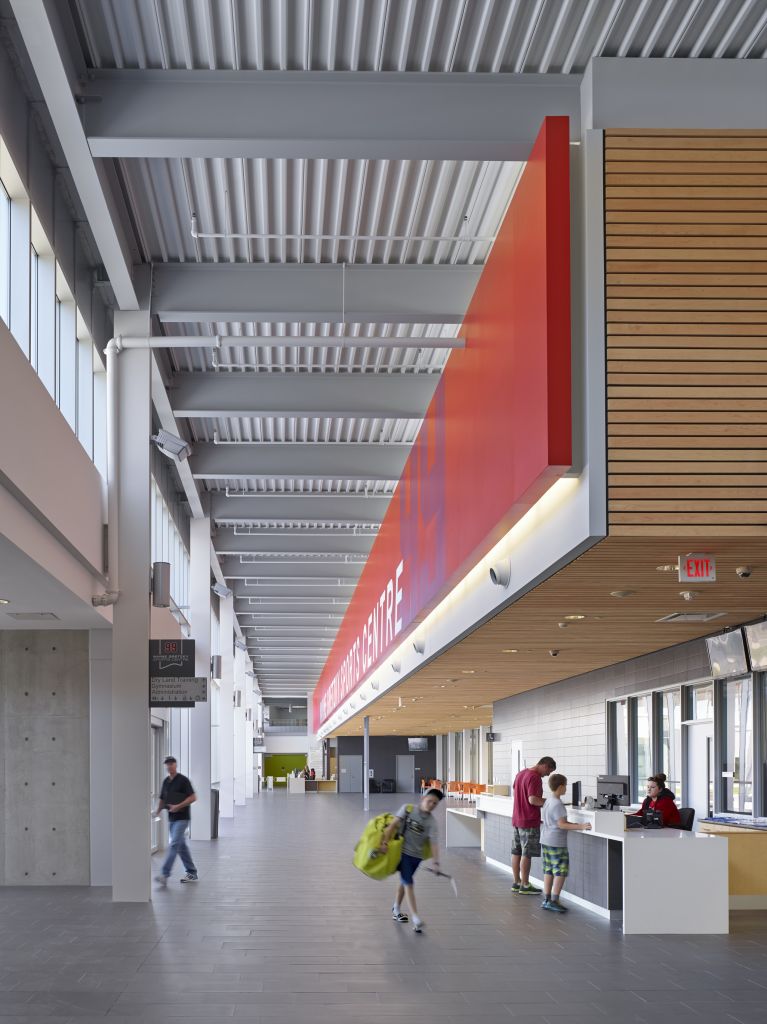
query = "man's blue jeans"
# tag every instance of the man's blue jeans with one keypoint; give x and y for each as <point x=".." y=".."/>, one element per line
<point x="177" y="847"/>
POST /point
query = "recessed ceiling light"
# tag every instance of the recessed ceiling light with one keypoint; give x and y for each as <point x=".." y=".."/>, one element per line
<point x="510" y="650"/>
<point x="4" y="600"/>
<point x="622" y="593"/>
<point x="666" y="568"/>
<point x="467" y="671"/>
<point x="574" y="618"/>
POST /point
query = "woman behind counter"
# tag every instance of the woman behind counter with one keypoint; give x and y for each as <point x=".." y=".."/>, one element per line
<point x="660" y="798"/>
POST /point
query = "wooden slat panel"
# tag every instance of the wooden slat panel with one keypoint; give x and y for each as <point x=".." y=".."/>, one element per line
<point x="686" y="282"/>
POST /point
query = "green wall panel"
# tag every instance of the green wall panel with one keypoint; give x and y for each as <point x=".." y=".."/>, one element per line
<point x="283" y="764"/>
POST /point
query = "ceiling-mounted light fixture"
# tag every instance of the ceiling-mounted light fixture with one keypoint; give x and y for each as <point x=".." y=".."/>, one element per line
<point x="396" y="666"/>
<point x="574" y="618"/>
<point x="622" y="593"/>
<point x="172" y="446"/>
<point x="419" y="644"/>
<point x="221" y="590"/>
<point x="667" y="568"/>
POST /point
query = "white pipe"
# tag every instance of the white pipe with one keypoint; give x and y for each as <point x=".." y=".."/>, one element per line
<point x="176" y="341"/>
<point x="113" y="475"/>
<point x="314" y="237"/>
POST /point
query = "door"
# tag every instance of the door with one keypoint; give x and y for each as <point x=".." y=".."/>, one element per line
<point x="350" y="773"/>
<point x="700" y="768"/>
<point x="405" y="773"/>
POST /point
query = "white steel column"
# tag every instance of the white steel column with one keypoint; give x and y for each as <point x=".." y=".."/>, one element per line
<point x="251" y="711"/>
<point x="199" y="717"/>
<point x="226" y="711"/>
<point x="440" y="768"/>
<point x="240" y="682"/>
<point x="366" y="763"/>
<point x="466" y="757"/>
<point x="451" y="766"/>
<point x="131" y="783"/>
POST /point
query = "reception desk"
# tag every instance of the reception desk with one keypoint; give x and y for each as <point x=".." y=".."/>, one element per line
<point x="302" y="785"/>
<point x="643" y="877"/>
<point x="747" y="855"/>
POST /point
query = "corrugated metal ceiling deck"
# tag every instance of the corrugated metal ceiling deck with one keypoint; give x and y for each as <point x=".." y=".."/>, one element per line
<point x="316" y="210"/>
<point x="414" y="35"/>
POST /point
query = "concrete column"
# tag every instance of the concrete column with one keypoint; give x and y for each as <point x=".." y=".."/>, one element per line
<point x="101" y="755"/>
<point x="239" y="729"/>
<point x="131" y="783"/>
<point x="440" y="768"/>
<point x="198" y="769"/>
<point x="226" y="713"/>
<point x="366" y="763"/>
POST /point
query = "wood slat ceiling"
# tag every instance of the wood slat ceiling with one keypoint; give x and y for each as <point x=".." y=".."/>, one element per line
<point x="443" y="698"/>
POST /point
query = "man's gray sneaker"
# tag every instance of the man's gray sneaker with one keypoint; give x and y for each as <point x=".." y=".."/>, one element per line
<point x="189" y="878"/>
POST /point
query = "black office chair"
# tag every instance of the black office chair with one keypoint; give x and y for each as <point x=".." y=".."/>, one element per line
<point x="686" y="818"/>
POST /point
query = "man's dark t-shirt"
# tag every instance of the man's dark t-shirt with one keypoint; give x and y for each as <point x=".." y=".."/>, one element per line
<point x="174" y="791"/>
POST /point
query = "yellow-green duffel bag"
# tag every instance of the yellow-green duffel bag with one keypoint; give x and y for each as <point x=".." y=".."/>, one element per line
<point x="368" y="857"/>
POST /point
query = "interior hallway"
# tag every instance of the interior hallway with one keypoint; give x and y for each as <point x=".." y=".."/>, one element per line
<point x="282" y="928"/>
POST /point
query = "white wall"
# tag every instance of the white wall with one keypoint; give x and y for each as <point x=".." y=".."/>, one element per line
<point x="567" y="720"/>
<point x="281" y="744"/>
<point x="66" y="495"/>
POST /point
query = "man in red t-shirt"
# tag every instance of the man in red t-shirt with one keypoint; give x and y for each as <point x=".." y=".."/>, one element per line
<point x="526" y="823"/>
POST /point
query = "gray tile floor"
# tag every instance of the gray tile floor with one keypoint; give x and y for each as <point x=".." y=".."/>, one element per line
<point x="281" y="928"/>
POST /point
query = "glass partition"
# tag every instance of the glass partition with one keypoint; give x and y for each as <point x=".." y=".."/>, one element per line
<point x="643" y="761"/>
<point x="738" y="754"/>
<point x="671" y="738"/>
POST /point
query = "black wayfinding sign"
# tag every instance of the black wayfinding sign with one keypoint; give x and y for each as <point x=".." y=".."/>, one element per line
<point x="172" y="682"/>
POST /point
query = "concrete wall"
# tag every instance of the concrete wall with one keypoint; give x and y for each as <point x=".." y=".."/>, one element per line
<point x="383" y="755"/>
<point x="44" y="760"/>
<point x="568" y="720"/>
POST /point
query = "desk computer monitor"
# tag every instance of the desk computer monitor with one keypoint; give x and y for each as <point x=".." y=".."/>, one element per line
<point x="613" y="791"/>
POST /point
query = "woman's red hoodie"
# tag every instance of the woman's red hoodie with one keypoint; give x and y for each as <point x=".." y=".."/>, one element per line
<point x="664" y="802"/>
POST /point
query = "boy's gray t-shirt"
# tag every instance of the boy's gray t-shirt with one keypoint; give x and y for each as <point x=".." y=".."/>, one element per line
<point x="551" y="834"/>
<point x="420" y="827"/>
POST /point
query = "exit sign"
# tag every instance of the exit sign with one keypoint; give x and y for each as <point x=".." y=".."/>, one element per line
<point x="697" y="568"/>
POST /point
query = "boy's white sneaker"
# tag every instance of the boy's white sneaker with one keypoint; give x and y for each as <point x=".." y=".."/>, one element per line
<point x="417" y="926"/>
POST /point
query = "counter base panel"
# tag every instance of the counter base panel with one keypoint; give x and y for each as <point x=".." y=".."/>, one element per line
<point x="566" y="897"/>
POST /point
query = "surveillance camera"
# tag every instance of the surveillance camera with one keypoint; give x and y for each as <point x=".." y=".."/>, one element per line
<point x="170" y="445"/>
<point x="743" y="572"/>
<point x="553" y="653"/>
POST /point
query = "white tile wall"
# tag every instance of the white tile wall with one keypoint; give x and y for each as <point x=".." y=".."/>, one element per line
<point x="567" y="720"/>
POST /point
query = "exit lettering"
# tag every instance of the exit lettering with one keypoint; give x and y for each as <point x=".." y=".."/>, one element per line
<point x="697" y="568"/>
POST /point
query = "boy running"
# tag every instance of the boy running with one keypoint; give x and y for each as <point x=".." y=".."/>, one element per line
<point x="417" y="827"/>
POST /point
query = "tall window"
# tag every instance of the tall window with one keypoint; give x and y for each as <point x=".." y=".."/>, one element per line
<point x="738" y="748"/>
<point x="671" y="738"/>
<point x="5" y="255"/>
<point x="38" y="306"/>
<point x="168" y="546"/>
<point x="619" y="737"/>
<point x="703" y="702"/>
<point x="643" y="760"/>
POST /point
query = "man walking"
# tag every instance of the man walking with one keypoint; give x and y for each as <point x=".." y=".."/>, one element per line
<point x="177" y="795"/>
<point x="526" y="823"/>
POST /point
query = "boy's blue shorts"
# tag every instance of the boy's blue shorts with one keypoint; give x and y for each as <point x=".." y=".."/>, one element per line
<point x="408" y="867"/>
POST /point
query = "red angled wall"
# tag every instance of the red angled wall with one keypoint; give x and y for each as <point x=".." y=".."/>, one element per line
<point x="496" y="436"/>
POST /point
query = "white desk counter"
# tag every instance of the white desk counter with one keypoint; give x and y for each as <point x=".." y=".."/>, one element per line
<point x="463" y="827"/>
<point x="644" y="876"/>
